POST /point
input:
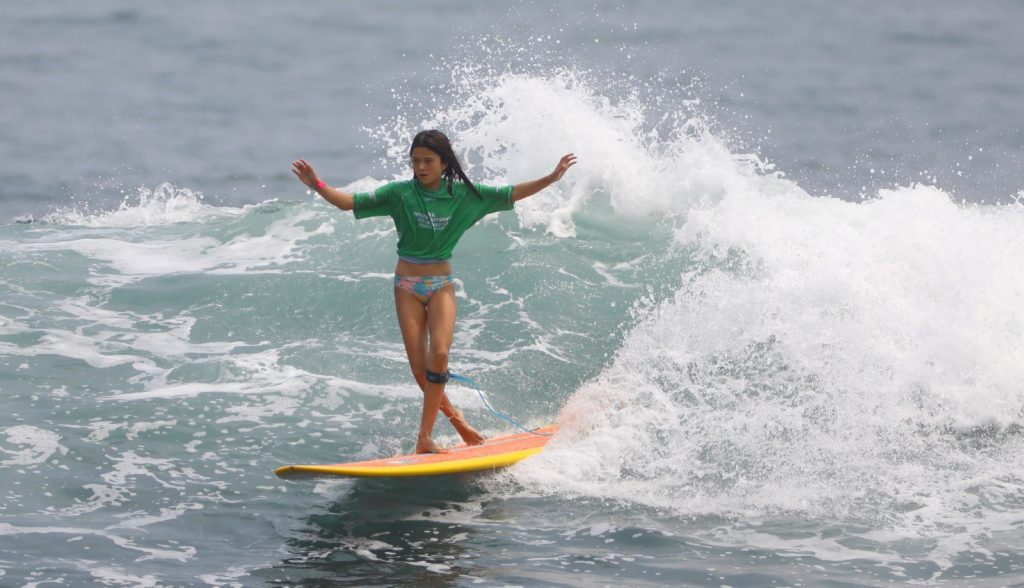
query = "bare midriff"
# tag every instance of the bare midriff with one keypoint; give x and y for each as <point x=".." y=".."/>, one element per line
<point x="407" y="268"/>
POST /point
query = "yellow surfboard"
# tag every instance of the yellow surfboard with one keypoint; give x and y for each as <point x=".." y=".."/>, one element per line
<point x="492" y="454"/>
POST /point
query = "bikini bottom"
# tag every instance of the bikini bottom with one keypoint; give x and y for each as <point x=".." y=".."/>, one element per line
<point x="423" y="287"/>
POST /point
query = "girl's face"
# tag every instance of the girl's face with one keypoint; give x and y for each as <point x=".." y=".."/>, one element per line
<point x="428" y="167"/>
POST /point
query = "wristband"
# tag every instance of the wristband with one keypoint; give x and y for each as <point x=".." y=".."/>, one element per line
<point x="320" y="184"/>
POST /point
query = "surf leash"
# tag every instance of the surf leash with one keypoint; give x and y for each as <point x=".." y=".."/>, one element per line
<point x="472" y="384"/>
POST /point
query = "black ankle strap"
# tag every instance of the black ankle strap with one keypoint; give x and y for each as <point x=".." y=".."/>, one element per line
<point x="436" y="378"/>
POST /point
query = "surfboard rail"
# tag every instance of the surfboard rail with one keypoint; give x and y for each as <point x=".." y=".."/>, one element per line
<point x="493" y="454"/>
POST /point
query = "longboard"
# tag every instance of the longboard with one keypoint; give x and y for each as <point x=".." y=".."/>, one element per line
<point x="492" y="454"/>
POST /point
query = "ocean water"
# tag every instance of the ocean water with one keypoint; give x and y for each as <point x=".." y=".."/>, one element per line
<point x="776" y="308"/>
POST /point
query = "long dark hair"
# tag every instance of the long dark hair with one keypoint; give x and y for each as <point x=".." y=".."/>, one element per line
<point x="437" y="142"/>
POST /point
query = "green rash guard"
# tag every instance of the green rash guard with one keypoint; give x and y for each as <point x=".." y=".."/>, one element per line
<point x="430" y="224"/>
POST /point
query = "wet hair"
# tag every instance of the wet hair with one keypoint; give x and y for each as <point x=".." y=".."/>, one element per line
<point x="437" y="142"/>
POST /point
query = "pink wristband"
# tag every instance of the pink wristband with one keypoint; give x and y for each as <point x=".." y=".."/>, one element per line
<point x="320" y="184"/>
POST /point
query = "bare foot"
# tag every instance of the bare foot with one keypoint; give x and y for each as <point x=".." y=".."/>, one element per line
<point x="470" y="435"/>
<point x="428" y="446"/>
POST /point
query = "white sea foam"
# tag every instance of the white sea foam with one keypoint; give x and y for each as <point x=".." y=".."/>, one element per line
<point x="89" y="350"/>
<point x="35" y="445"/>
<point x="136" y="520"/>
<point x="184" y="554"/>
<point x="517" y="126"/>
<point x="261" y="373"/>
<point x="118" y="576"/>
<point x="163" y="205"/>
<point x="125" y="259"/>
<point x="114" y="337"/>
<point x="101" y="430"/>
<point x="229" y="577"/>
<point x="838" y="359"/>
<point x="119" y="482"/>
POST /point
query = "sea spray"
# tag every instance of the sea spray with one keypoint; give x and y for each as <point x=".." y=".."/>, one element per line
<point x="858" y="363"/>
<point x="851" y="361"/>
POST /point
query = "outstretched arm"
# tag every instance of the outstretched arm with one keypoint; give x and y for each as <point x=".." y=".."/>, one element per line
<point x="306" y="175"/>
<point x="527" y="189"/>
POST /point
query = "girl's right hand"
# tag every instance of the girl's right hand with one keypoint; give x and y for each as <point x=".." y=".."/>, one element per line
<point x="305" y="173"/>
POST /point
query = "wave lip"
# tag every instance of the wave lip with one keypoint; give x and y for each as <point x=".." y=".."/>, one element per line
<point x="849" y="362"/>
<point x="163" y="205"/>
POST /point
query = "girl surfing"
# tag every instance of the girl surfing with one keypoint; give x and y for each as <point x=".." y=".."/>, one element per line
<point x="431" y="212"/>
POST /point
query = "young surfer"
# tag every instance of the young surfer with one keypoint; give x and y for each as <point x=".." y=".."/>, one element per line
<point x="431" y="212"/>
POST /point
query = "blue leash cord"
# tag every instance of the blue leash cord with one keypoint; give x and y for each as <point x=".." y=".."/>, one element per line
<point x="472" y="384"/>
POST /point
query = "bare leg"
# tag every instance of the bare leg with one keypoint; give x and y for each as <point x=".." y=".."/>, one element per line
<point x="469" y="435"/>
<point x="441" y="313"/>
<point x="438" y="321"/>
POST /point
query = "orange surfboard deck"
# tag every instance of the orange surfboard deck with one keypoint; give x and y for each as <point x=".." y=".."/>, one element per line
<point x="492" y="454"/>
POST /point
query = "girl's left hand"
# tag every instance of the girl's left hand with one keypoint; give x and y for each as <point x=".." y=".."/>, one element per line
<point x="563" y="166"/>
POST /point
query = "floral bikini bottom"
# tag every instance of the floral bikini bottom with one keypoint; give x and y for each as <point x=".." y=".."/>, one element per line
<point x="423" y="287"/>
